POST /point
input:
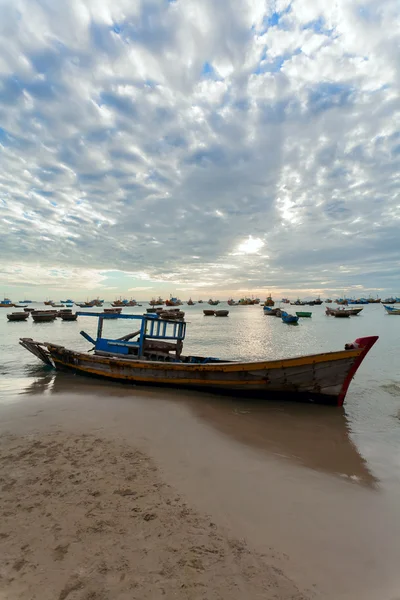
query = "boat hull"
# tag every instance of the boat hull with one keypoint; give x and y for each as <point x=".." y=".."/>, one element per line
<point x="319" y="377"/>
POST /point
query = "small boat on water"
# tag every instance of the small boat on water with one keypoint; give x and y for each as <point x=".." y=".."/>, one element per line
<point x="231" y="302"/>
<point x="21" y="305"/>
<point x="221" y="313"/>
<point x="208" y="312"/>
<point x="272" y="312"/>
<point x="17" y="316"/>
<point x="57" y="305"/>
<point x="342" y="313"/>
<point x="173" y="313"/>
<point x="29" y="310"/>
<point x="43" y="316"/>
<point x="190" y="302"/>
<point x="391" y="310"/>
<point x="153" y="355"/>
<point x="289" y="319"/>
<point x="304" y="315"/>
<point x="212" y="302"/>
<point x="48" y="302"/>
<point x="68" y="316"/>
<point x="113" y="310"/>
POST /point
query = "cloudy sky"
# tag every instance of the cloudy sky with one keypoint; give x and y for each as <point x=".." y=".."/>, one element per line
<point x="199" y="147"/>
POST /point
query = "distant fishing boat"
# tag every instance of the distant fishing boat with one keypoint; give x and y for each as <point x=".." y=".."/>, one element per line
<point x="6" y="303"/>
<point x="153" y="355"/>
<point x="213" y="302"/>
<point x="269" y="301"/>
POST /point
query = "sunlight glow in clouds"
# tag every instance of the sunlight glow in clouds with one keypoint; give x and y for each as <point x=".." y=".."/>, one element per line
<point x="153" y="137"/>
<point x="250" y="246"/>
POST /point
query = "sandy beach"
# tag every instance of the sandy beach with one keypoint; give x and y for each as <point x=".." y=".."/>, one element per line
<point x="112" y="493"/>
<point x="86" y="518"/>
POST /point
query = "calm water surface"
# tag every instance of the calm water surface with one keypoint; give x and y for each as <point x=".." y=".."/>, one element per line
<point x="317" y="486"/>
<point x="369" y="422"/>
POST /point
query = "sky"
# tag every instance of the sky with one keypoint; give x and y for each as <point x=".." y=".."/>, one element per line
<point x="199" y="148"/>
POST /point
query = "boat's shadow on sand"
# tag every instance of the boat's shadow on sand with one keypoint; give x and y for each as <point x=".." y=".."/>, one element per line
<point x="314" y="436"/>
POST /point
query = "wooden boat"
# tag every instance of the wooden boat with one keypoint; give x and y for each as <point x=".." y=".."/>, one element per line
<point x="212" y="302"/>
<point x="43" y="317"/>
<point x="29" y="310"/>
<point x="155" y="357"/>
<point x="21" y="305"/>
<point x="289" y="319"/>
<point x="199" y="301"/>
<point x="231" y="302"/>
<point x="208" y="313"/>
<point x="48" y="302"/>
<point x="221" y="313"/>
<point x="113" y="310"/>
<point x="272" y="312"/>
<point x="57" y="305"/>
<point x="173" y="313"/>
<point x="304" y="315"/>
<point x="190" y="302"/>
<point x="297" y="303"/>
<point x="69" y="316"/>
<point x="391" y="310"/>
<point x="17" y="316"/>
<point x="342" y="313"/>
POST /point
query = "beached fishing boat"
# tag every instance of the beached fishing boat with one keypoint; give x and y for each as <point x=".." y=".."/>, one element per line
<point x="155" y="357"/>
<point x="17" y="316"/>
<point x="289" y="319"/>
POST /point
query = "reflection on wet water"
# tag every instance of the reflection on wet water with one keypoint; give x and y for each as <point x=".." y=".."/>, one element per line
<point x="308" y="435"/>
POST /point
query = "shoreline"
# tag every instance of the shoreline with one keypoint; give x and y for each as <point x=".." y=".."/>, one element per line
<point x="89" y="518"/>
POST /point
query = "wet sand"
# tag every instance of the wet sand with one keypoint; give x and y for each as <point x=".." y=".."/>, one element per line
<point x="112" y="494"/>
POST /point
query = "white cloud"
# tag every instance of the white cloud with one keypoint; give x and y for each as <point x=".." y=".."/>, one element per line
<point x="155" y="138"/>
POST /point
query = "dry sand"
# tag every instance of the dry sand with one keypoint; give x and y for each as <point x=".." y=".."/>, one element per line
<point x="91" y="519"/>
